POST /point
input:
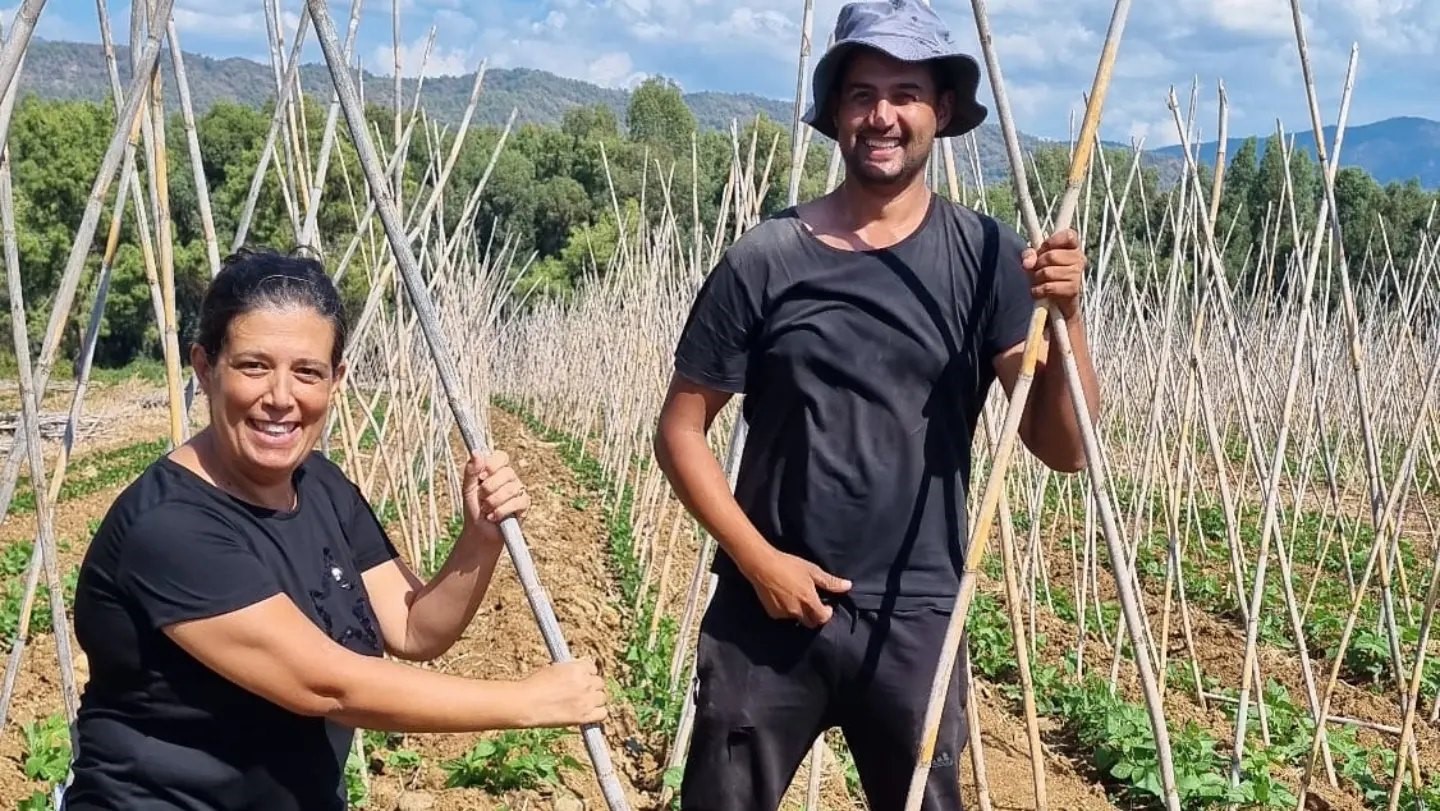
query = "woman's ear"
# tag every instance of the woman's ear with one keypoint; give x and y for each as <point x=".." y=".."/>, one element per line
<point x="200" y="362"/>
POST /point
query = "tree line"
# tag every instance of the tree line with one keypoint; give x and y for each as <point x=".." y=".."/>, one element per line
<point x="550" y="194"/>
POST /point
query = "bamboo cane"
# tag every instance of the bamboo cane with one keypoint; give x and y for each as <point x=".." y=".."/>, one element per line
<point x="192" y="140"/>
<point x="977" y="746"/>
<point x="13" y="51"/>
<point x="29" y="415"/>
<point x="1018" y="398"/>
<point x="1268" y="523"/>
<point x="327" y="142"/>
<point x="1376" y="551"/>
<point x="277" y="118"/>
<point x="444" y="362"/>
<point x="1022" y="652"/>
<point x="159" y="166"/>
<point x="80" y="248"/>
<point x="1412" y="702"/>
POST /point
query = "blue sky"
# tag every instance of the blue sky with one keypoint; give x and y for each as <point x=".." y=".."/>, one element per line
<point x="1047" y="49"/>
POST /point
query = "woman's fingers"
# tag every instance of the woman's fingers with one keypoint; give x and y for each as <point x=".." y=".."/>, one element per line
<point x="509" y="499"/>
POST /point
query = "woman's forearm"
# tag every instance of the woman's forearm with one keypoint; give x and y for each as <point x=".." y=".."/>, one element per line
<point x="443" y="607"/>
<point x="275" y="651"/>
<point x="381" y="694"/>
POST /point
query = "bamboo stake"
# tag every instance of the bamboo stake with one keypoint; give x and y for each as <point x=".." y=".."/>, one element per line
<point x="277" y="119"/>
<point x="1017" y="631"/>
<point x="977" y="746"/>
<point x="1412" y="699"/>
<point x="80" y="248"/>
<point x="13" y="51"/>
<point x="192" y="140"/>
<point x="444" y="362"/>
<point x="1268" y="522"/>
<point x="29" y="415"/>
<point x="1018" y="398"/>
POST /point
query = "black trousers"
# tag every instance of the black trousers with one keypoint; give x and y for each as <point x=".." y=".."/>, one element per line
<point x="768" y="688"/>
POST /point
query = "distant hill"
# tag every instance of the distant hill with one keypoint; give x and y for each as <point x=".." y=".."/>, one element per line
<point x="1392" y="150"/>
<point x="1396" y="149"/>
<point x="76" y="70"/>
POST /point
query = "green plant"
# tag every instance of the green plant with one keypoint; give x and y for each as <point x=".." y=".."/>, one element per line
<point x="355" y="791"/>
<point x="47" y="749"/>
<point x="515" y="759"/>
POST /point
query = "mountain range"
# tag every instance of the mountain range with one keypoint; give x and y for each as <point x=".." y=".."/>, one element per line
<point x="1390" y="150"/>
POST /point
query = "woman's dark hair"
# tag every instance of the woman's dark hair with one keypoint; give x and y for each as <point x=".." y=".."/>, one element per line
<point x="255" y="279"/>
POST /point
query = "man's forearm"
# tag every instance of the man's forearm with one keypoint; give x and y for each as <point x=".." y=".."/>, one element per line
<point x="1056" y="428"/>
<point x="699" y="482"/>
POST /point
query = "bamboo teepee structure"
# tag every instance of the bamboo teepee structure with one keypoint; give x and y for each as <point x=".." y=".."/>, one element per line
<point x="1254" y="395"/>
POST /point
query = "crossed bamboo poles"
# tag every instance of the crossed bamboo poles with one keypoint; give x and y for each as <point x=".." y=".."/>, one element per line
<point x="1035" y="563"/>
<point x="1010" y="430"/>
<point x="444" y="360"/>
<point x="602" y="337"/>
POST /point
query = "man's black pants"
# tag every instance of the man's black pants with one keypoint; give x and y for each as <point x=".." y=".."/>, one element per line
<point x="768" y="688"/>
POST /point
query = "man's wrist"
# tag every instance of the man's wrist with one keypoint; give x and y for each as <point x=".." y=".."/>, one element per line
<point x="752" y="557"/>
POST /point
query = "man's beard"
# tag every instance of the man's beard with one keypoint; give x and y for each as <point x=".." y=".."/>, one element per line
<point x="914" y="155"/>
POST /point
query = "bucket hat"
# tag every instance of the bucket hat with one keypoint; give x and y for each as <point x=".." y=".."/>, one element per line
<point x="908" y="30"/>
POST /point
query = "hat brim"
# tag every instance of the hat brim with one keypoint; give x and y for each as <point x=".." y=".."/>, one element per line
<point x="962" y="71"/>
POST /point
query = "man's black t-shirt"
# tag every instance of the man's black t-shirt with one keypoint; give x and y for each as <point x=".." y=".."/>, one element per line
<point x="864" y="373"/>
<point x="156" y="728"/>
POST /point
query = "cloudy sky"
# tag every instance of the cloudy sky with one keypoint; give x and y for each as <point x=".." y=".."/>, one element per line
<point x="1046" y="48"/>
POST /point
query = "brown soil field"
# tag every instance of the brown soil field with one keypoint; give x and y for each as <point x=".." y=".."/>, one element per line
<point x="567" y="536"/>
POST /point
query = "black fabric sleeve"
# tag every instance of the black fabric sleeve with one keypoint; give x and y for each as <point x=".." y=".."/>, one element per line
<point x="183" y="562"/>
<point x="367" y="537"/>
<point x="1011" y="302"/>
<point x="714" y="345"/>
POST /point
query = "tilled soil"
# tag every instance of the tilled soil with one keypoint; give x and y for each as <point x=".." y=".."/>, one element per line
<point x="566" y="535"/>
<point x="1219" y="645"/>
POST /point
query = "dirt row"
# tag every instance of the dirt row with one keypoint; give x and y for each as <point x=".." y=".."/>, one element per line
<point x="1218" y="647"/>
<point x="567" y="537"/>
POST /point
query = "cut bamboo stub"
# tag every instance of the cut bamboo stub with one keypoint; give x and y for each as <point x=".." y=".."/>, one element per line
<point x="449" y="376"/>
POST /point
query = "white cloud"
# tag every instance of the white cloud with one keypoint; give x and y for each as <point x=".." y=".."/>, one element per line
<point x="1267" y="18"/>
<point x="554" y="21"/>
<point x="440" y="61"/>
<point x="765" y="25"/>
<point x="613" y="69"/>
<point x="650" y="31"/>
<point x="212" y="18"/>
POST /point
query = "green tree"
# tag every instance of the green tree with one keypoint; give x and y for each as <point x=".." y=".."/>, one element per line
<point x="658" y="116"/>
<point x="1360" y="201"/>
<point x="591" y="121"/>
<point x="1236" y="225"/>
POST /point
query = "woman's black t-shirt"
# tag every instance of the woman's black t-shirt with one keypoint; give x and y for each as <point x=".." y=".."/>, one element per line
<point x="157" y="729"/>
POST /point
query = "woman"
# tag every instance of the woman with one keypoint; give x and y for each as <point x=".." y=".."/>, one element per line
<point x="238" y="597"/>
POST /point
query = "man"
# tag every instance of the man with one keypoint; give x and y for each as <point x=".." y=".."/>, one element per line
<point x="864" y="329"/>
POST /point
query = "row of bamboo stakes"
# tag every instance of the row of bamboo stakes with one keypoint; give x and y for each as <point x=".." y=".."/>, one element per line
<point x="548" y="359"/>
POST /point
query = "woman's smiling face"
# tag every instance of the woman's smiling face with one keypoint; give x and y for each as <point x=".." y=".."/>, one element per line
<point x="269" y="389"/>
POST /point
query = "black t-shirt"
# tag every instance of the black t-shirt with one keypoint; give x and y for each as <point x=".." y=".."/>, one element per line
<point x="156" y="728"/>
<point x="864" y="374"/>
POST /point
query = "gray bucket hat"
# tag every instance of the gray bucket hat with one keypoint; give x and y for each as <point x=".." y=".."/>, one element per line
<point x="908" y="30"/>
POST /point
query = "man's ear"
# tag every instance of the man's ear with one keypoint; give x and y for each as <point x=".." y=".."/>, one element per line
<point x="944" y="109"/>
